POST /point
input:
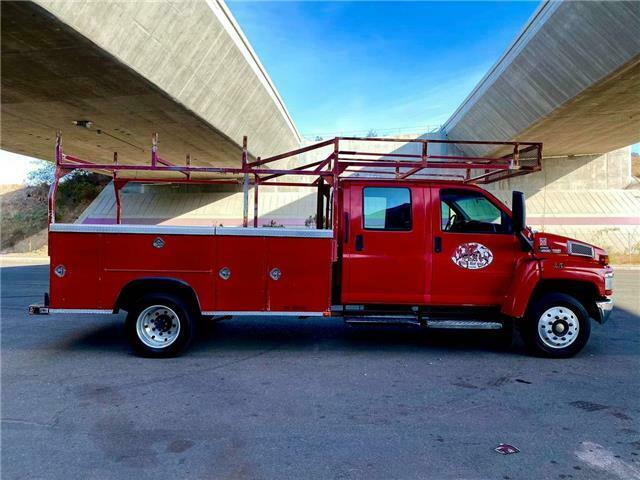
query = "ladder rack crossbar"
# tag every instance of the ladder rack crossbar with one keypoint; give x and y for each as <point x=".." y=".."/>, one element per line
<point x="483" y="162"/>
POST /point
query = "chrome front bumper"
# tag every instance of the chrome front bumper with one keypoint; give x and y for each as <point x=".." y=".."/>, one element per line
<point x="604" y="309"/>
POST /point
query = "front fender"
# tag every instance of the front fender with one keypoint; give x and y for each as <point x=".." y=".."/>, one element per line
<point x="553" y="270"/>
<point x="525" y="278"/>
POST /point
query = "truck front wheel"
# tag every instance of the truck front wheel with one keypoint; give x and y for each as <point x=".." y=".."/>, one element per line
<point x="159" y="325"/>
<point x="557" y="326"/>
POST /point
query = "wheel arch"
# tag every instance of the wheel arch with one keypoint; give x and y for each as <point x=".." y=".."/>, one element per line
<point x="139" y="287"/>
<point x="582" y="290"/>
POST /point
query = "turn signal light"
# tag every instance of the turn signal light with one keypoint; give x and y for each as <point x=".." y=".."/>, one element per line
<point x="604" y="260"/>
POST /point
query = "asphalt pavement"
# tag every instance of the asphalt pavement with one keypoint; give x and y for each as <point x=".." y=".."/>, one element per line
<point x="283" y="398"/>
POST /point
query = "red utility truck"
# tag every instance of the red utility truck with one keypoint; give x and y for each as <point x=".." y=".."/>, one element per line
<point x="394" y="243"/>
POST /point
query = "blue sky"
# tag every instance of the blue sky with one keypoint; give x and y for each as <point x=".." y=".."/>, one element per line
<point x="355" y="66"/>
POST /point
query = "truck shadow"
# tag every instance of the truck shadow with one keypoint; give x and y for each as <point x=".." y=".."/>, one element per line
<point x="333" y="334"/>
<point x="246" y="335"/>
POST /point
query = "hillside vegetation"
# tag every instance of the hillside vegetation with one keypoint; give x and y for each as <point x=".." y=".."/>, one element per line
<point x="23" y="208"/>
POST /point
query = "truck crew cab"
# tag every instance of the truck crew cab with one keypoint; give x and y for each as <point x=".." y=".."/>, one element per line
<point x="394" y="248"/>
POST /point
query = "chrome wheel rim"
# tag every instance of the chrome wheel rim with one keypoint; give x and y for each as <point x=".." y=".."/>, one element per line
<point x="558" y="327"/>
<point x="158" y="326"/>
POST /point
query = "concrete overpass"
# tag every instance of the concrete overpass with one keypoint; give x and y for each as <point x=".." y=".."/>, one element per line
<point x="181" y="68"/>
<point x="570" y="79"/>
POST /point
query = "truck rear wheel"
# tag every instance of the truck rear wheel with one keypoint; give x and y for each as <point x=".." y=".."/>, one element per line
<point x="557" y="326"/>
<point x="160" y="325"/>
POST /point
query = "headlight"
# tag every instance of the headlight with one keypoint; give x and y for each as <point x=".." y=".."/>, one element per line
<point x="608" y="281"/>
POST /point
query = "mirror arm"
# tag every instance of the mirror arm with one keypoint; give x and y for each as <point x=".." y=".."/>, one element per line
<point x="526" y="243"/>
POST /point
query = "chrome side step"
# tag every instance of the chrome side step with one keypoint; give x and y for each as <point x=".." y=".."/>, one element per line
<point x="383" y="320"/>
<point x="431" y="324"/>
<point x="463" y="325"/>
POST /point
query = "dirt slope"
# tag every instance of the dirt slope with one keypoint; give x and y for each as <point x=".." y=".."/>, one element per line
<point x="23" y="211"/>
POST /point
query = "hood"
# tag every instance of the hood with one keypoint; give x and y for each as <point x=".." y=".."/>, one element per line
<point x="553" y="244"/>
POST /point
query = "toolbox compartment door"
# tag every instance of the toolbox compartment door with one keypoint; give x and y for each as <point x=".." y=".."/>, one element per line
<point x="242" y="286"/>
<point x="298" y="274"/>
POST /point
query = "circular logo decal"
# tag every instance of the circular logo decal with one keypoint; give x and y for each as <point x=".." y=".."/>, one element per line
<point x="472" y="256"/>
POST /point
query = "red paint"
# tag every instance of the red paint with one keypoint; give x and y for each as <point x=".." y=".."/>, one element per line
<point x="527" y="274"/>
<point x="305" y="281"/>
<point x="418" y="264"/>
<point x="390" y="268"/>
<point x="454" y="285"/>
<point x="246" y="288"/>
<point x="80" y="256"/>
<point x="127" y="257"/>
<point x="393" y="267"/>
<point x="99" y="265"/>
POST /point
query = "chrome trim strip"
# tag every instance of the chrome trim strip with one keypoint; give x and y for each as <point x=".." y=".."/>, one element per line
<point x="464" y="324"/>
<point x="274" y="232"/>
<point x="190" y="230"/>
<point x="382" y="320"/>
<point x="144" y="229"/>
<point x="80" y="310"/>
<point x="208" y="312"/>
<point x="265" y="314"/>
<point x="150" y="270"/>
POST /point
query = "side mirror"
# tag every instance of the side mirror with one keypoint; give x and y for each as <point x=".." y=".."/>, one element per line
<point x="518" y="220"/>
<point x="519" y="211"/>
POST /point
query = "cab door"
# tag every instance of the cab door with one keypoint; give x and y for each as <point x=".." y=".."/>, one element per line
<point x="475" y="251"/>
<point x="386" y="244"/>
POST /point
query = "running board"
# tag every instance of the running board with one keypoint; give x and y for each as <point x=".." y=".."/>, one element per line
<point x="393" y="320"/>
<point x="383" y="320"/>
<point x="464" y="325"/>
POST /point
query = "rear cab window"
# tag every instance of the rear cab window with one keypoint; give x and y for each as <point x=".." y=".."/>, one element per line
<point x="386" y="208"/>
<point x="469" y="211"/>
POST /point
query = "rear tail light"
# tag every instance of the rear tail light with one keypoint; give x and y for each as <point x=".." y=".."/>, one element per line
<point x="603" y="260"/>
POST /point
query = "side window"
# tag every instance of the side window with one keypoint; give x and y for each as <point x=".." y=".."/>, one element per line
<point x="468" y="211"/>
<point x="386" y="208"/>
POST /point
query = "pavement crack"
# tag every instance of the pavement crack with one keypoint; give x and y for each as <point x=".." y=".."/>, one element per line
<point x="207" y="369"/>
<point x="21" y="421"/>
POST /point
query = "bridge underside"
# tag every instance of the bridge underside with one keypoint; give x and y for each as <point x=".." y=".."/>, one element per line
<point x="571" y="80"/>
<point x="53" y="76"/>
<point x="601" y="119"/>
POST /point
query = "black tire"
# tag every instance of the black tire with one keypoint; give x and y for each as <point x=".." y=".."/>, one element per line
<point x="170" y="312"/>
<point x="568" y="311"/>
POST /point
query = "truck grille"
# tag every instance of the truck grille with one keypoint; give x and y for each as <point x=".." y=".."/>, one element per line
<point x="574" y="248"/>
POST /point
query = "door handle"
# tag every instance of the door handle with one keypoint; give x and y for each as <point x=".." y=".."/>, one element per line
<point x="359" y="243"/>
<point x="346" y="228"/>
<point x="437" y="244"/>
